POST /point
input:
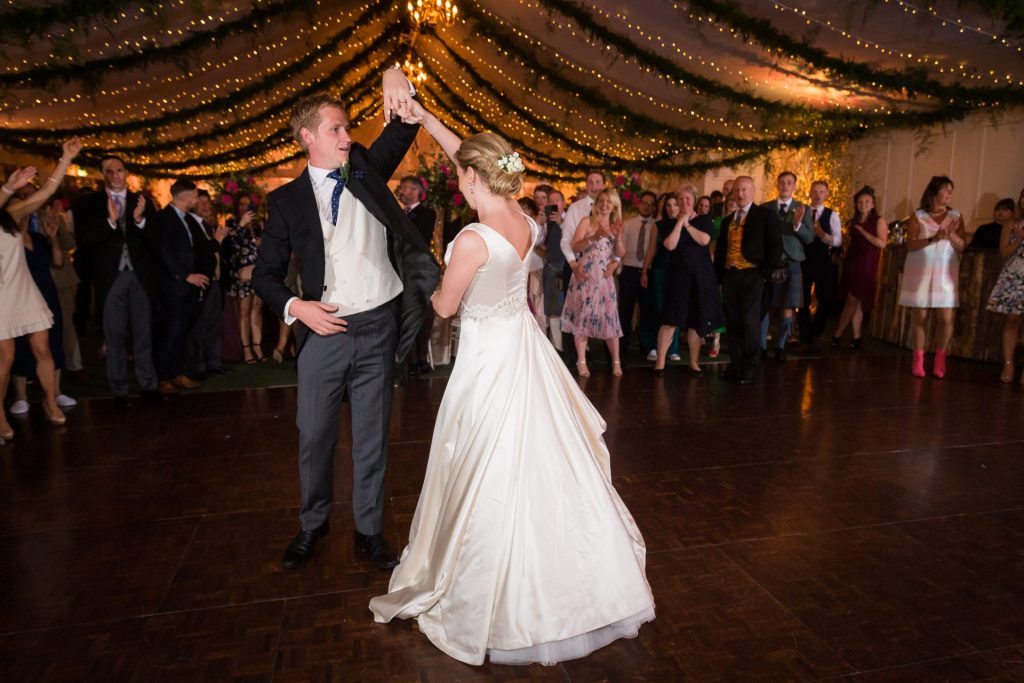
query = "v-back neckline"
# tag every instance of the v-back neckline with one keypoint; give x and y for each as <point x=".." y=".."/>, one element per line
<point x="529" y="248"/>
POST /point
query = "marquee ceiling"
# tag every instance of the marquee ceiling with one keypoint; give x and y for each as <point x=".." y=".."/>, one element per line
<point x="204" y="87"/>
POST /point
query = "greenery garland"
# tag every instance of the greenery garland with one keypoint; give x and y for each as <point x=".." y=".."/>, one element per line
<point x="224" y="102"/>
<point x="911" y="80"/>
<point x="683" y="136"/>
<point x="355" y="91"/>
<point x="92" y="72"/>
<point x="29" y="23"/>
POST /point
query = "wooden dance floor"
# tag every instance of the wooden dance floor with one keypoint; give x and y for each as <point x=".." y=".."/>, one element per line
<point x="838" y="521"/>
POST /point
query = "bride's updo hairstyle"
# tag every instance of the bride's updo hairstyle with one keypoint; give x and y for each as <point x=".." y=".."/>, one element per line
<point x="495" y="162"/>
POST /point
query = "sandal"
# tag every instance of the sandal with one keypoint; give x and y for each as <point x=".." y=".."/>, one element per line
<point x="1007" y="374"/>
<point x="278" y="356"/>
<point x="616" y="364"/>
<point x="581" y="369"/>
<point x="257" y="350"/>
<point x="248" y="358"/>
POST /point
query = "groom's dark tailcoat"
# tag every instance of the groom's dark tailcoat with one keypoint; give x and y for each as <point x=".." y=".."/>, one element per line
<point x="361" y="360"/>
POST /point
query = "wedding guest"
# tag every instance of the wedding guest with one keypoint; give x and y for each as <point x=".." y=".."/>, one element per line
<point x="577" y="211"/>
<point x="719" y="209"/>
<point x="42" y="252"/>
<point x="591" y="309"/>
<point x="717" y="203"/>
<point x="67" y="283"/>
<point x="202" y="343"/>
<point x="703" y="207"/>
<point x="869" y="234"/>
<point x="1008" y="293"/>
<point x="554" y="266"/>
<point x="410" y="195"/>
<point x="23" y="311"/>
<point x="931" y="274"/>
<point x="987" y="236"/>
<point x="182" y="286"/>
<point x="748" y="250"/>
<point x="248" y="307"/>
<point x="110" y="224"/>
<point x="535" y="265"/>
<point x="637" y="233"/>
<point x="716" y="230"/>
<point x="691" y="288"/>
<point x="819" y="268"/>
<point x="542" y="196"/>
<point x="655" y="270"/>
<point x="787" y="293"/>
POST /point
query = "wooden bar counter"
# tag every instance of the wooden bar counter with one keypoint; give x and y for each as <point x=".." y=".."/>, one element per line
<point x="976" y="333"/>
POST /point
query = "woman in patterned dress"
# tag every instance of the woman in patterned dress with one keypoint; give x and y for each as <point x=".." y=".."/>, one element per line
<point x="1008" y="294"/>
<point x="245" y="236"/>
<point x="591" y="306"/>
<point x="931" y="275"/>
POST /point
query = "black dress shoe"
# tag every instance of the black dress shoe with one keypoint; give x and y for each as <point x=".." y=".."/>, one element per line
<point x="122" y="402"/>
<point x="376" y="549"/>
<point x="301" y="547"/>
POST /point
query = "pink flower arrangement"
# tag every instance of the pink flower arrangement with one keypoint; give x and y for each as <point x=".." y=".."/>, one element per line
<point x="458" y="199"/>
<point x="440" y="184"/>
<point x="226" y="200"/>
<point x="630" y="187"/>
<point x="231" y="186"/>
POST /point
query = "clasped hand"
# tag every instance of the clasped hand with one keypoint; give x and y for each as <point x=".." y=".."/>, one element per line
<point x="317" y="317"/>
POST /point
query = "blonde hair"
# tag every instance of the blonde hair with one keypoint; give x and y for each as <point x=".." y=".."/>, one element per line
<point x="613" y="196"/>
<point x="687" y="189"/>
<point x="480" y="152"/>
<point x="306" y="114"/>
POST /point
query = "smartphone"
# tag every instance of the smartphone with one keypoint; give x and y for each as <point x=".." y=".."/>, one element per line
<point x="550" y="209"/>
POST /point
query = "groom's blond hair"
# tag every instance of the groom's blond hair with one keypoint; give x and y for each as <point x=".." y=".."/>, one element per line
<point x="306" y="114"/>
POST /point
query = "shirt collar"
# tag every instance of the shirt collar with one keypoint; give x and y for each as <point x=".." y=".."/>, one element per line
<point x="746" y="209"/>
<point x="119" y="193"/>
<point x="181" y="214"/>
<point x="785" y="202"/>
<point x="411" y="207"/>
<point x="318" y="175"/>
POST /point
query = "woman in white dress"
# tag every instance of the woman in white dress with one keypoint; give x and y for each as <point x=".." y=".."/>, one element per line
<point x="520" y="548"/>
<point x="22" y="308"/>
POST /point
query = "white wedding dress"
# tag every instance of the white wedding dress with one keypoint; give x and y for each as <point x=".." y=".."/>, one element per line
<point x="520" y="548"/>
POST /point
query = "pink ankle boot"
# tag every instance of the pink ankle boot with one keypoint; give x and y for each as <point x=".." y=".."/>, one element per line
<point x="917" y="367"/>
<point x="939" y="366"/>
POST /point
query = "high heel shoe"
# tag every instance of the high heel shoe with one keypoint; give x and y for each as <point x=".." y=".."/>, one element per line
<point x="1006" y="377"/>
<point x="581" y="369"/>
<point x="855" y="343"/>
<point x="8" y="435"/>
<point x="835" y="342"/>
<point x="251" y="360"/>
<point x="257" y="350"/>
<point x="57" y="419"/>
<point x="939" y="364"/>
<point x="278" y="356"/>
<point x="917" y="364"/>
<point x="616" y="372"/>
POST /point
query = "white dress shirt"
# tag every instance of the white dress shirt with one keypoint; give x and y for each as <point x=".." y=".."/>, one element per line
<point x="835" y="226"/>
<point x="580" y="209"/>
<point x="631" y="238"/>
<point x="358" y="275"/>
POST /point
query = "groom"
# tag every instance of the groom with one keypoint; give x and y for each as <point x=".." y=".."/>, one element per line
<point x="366" y="280"/>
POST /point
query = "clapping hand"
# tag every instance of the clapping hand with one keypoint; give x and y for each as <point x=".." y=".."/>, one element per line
<point x="140" y="209"/>
<point x="941" y="235"/>
<point x="71" y="148"/>
<point x="798" y="216"/>
<point x="20" y="177"/>
<point x="50" y="225"/>
<point x="112" y="213"/>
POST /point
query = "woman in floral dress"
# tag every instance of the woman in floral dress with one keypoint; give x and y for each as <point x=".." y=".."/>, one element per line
<point x="1008" y="294"/>
<point x="591" y="306"/>
<point x="245" y="238"/>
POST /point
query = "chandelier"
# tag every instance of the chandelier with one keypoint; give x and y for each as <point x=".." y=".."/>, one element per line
<point x="437" y="12"/>
<point x="414" y="71"/>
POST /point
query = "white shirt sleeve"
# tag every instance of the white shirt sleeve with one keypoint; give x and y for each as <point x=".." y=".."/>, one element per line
<point x="569" y="225"/>
<point x="836" y="227"/>
<point x="289" y="318"/>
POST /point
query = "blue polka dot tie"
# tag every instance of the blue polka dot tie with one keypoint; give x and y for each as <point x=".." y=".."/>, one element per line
<point x="339" y="181"/>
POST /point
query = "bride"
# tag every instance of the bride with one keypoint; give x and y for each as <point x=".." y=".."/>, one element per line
<point x="520" y="548"/>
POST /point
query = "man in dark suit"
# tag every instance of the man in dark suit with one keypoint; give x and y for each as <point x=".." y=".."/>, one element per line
<point x="410" y="194"/>
<point x="366" y="280"/>
<point x="749" y="249"/>
<point x="181" y="286"/>
<point x="202" y="344"/>
<point x="111" y="226"/>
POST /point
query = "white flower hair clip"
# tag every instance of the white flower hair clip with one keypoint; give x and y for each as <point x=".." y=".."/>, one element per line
<point x="511" y="163"/>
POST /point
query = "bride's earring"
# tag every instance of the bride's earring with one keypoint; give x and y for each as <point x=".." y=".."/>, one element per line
<point x="472" y="187"/>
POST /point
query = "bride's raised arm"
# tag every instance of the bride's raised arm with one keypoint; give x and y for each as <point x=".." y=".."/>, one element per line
<point x="444" y="137"/>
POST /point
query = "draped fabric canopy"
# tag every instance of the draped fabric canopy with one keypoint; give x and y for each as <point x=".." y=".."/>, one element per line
<point x="204" y="87"/>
